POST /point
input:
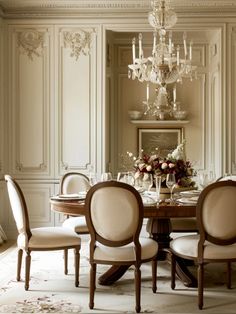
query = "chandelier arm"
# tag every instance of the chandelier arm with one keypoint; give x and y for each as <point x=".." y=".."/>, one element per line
<point x="164" y="66"/>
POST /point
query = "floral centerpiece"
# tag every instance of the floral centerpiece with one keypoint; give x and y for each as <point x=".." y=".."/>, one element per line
<point x="175" y="162"/>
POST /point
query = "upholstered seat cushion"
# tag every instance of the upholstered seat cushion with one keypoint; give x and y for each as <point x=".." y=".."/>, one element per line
<point x="188" y="245"/>
<point x="77" y="224"/>
<point x="126" y="253"/>
<point x="49" y="237"/>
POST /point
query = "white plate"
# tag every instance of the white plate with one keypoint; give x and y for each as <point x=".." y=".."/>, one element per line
<point x="74" y="196"/>
<point x="188" y="200"/>
<point x="152" y="194"/>
<point x="148" y="200"/>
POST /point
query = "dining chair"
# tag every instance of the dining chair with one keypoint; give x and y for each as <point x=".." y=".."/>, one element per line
<point x="38" y="239"/>
<point x="70" y="183"/>
<point x="227" y="177"/>
<point x="114" y="215"/>
<point x="216" y="241"/>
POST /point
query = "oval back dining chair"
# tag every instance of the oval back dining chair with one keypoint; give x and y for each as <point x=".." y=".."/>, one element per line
<point x="114" y="215"/>
<point x="227" y="177"/>
<point x="38" y="239"/>
<point x="70" y="183"/>
<point x="216" y="242"/>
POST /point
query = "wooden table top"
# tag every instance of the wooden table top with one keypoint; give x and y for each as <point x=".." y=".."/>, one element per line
<point x="164" y="211"/>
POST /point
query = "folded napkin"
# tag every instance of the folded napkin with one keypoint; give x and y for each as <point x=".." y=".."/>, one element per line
<point x="188" y="200"/>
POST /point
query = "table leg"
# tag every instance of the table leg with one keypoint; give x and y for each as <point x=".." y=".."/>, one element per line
<point x="159" y="230"/>
<point x="112" y="274"/>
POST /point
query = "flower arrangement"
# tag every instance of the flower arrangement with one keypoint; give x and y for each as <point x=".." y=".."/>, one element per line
<point x="175" y="162"/>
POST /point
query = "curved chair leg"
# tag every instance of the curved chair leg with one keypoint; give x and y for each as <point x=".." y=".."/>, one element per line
<point x="77" y="264"/>
<point x="173" y="271"/>
<point x="19" y="263"/>
<point x="137" y="288"/>
<point x="154" y="275"/>
<point x="92" y="285"/>
<point x="229" y="275"/>
<point x="27" y="269"/>
<point x="200" y="285"/>
<point x="66" y="261"/>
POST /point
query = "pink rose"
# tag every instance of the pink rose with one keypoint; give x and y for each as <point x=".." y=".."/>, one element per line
<point x="171" y="165"/>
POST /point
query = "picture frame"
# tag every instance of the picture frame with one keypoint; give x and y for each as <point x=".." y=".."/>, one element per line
<point x="161" y="141"/>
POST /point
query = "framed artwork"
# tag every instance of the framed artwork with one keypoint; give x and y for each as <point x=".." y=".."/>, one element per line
<point x="159" y="141"/>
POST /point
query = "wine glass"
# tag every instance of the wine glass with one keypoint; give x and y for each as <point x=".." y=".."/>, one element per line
<point x="170" y="183"/>
<point x="106" y="176"/>
<point x="158" y="181"/>
<point x="93" y="178"/>
<point x="147" y="181"/>
<point x="126" y="177"/>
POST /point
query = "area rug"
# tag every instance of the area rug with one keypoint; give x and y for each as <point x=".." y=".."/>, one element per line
<point x="51" y="291"/>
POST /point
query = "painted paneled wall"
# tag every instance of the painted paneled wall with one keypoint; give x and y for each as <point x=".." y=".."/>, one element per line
<point x="51" y="112"/>
<point x="65" y="96"/>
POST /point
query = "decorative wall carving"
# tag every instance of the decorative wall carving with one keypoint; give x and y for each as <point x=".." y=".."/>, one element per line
<point x="31" y="42"/>
<point x="79" y="42"/>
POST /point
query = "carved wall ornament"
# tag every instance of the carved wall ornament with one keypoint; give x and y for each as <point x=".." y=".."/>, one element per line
<point x="79" y="42"/>
<point x="31" y="42"/>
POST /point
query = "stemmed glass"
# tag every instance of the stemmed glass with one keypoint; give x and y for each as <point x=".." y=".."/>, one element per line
<point x="147" y="181"/>
<point x="170" y="183"/>
<point x="106" y="176"/>
<point x="126" y="177"/>
<point x="93" y="178"/>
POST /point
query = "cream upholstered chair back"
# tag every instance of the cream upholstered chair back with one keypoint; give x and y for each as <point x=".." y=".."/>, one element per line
<point x="18" y="206"/>
<point x="114" y="213"/>
<point x="74" y="182"/>
<point x="228" y="177"/>
<point x="216" y="212"/>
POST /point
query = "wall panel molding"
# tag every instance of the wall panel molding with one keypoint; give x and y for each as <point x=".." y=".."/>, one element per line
<point x="30" y="103"/>
<point x="76" y="106"/>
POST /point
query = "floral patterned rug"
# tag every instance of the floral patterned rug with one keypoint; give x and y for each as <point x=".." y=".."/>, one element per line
<point x="51" y="291"/>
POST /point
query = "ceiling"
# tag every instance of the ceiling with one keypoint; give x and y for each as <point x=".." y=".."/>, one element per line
<point x="16" y="8"/>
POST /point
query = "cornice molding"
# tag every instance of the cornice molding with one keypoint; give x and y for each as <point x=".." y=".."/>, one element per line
<point x="27" y="7"/>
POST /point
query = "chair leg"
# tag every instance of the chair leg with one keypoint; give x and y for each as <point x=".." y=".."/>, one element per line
<point x="173" y="271"/>
<point x="27" y="269"/>
<point x="19" y="263"/>
<point x="66" y="261"/>
<point x="77" y="264"/>
<point x="92" y="285"/>
<point x="200" y="285"/>
<point x="229" y="275"/>
<point x="154" y="275"/>
<point x="137" y="288"/>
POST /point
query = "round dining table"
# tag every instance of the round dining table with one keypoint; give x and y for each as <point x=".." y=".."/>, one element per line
<point x="158" y="227"/>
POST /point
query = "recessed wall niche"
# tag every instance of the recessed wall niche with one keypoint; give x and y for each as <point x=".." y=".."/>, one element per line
<point x="194" y="96"/>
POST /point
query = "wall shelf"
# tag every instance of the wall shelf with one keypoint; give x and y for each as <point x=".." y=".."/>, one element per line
<point x="160" y="122"/>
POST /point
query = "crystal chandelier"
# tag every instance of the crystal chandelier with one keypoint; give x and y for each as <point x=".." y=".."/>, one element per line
<point x="164" y="66"/>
